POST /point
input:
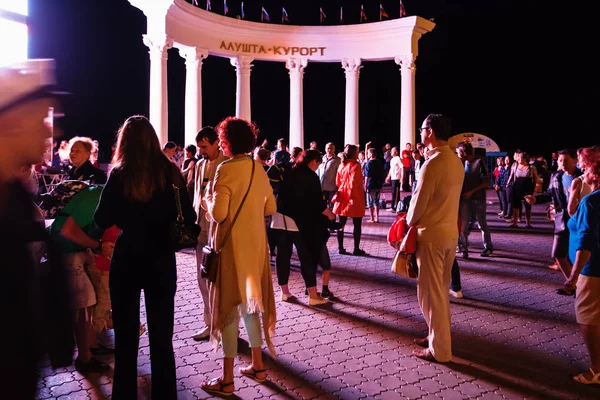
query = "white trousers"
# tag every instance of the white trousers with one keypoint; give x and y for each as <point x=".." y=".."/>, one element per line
<point x="202" y="284"/>
<point x="435" y="261"/>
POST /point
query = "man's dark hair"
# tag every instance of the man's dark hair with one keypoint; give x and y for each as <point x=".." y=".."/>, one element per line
<point x="468" y="147"/>
<point x="170" y="145"/>
<point x="296" y="151"/>
<point x="568" y="152"/>
<point x="207" y="133"/>
<point x="283" y="142"/>
<point x="440" y="125"/>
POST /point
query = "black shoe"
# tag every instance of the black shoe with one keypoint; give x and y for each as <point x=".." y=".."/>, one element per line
<point x="359" y="252"/>
<point x="343" y="251"/>
<point x="92" y="365"/>
<point x="327" y="294"/>
<point x="486" y="252"/>
<point x="465" y="255"/>
<point x="563" y="292"/>
<point x="101" y="350"/>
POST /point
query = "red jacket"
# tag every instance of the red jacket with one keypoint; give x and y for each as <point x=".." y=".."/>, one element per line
<point x="350" y="199"/>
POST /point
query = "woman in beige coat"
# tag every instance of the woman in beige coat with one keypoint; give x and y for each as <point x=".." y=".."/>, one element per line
<point x="243" y="286"/>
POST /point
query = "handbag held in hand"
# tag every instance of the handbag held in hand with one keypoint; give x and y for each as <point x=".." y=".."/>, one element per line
<point x="183" y="234"/>
<point x="209" y="265"/>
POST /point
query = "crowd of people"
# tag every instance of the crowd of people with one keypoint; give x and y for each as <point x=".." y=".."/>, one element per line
<point x="110" y="236"/>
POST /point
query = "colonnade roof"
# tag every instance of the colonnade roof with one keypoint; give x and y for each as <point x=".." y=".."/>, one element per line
<point x="215" y="34"/>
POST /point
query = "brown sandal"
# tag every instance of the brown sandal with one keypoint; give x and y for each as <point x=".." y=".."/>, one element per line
<point x="209" y="386"/>
<point x="252" y="373"/>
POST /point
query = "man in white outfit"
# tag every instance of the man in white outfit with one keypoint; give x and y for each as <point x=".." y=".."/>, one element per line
<point x="434" y="211"/>
<point x="206" y="167"/>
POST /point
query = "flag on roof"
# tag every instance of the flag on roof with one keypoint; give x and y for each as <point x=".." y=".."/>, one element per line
<point x="363" y="15"/>
<point x="208" y="8"/>
<point x="402" y="10"/>
<point x="225" y="8"/>
<point x="322" y="15"/>
<point x="264" y="16"/>
<point x="284" y="15"/>
<point x="243" y="15"/>
<point x="341" y="15"/>
<point x="382" y="12"/>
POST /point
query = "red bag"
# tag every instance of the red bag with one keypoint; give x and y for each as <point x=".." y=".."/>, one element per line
<point x="397" y="231"/>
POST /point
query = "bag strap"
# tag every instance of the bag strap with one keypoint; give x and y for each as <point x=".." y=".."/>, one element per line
<point x="177" y="203"/>
<point x="239" y="209"/>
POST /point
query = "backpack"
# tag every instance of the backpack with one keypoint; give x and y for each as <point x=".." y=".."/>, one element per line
<point x="53" y="202"/>
<point x="277" y="174"/>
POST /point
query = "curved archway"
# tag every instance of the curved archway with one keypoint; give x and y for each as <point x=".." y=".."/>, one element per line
<point x="198" y="34"/>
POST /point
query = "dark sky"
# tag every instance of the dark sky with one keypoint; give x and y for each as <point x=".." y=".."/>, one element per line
<point x="522" y="73"/>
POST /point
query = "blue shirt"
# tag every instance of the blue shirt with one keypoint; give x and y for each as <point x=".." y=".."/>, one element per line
<point x="567" y="180"/>
<point x="584" y="229"/>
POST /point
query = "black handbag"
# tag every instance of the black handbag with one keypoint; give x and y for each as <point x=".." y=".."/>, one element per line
<point x="209" y="264"/>
<point x="560" y="221"/>
<point x="183" y="234"/>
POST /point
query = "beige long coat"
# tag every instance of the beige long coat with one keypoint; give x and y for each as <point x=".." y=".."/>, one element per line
<point x="244" y="276"/>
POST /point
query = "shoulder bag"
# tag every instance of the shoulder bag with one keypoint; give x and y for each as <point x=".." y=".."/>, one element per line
<point x="209" y="264"/>
<point x="184" y="234"/>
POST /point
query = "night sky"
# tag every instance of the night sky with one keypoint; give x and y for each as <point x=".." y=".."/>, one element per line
<point x="520" y="72"/>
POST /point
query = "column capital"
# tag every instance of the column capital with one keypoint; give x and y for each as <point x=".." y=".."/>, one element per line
<point x="193" y="55"/>
<point x="158" y="46"/>
<point x="406" y="62"/>
<point x="351" y="65"/>
<point x="296" y="65"/>
<point x="242" y="64"/>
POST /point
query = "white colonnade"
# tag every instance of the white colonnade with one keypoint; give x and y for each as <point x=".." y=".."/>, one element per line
<point x="198" y="33"/>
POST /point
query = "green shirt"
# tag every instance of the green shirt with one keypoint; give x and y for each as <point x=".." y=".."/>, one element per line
<point x="81" y="208"/>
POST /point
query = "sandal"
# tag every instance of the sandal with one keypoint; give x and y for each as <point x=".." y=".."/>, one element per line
<point x="580" y="378"/>
<point x="252" y="373"/>
<point x="216" y="386"/>
<point x="513" y="226"/>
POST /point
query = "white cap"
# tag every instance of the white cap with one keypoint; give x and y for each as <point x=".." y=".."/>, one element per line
<point x="26" y="80"/>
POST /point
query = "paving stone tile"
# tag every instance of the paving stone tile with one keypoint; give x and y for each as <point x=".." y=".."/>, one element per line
<point x="81" y="395"/>
<point x="411" y="391"/>
<point x="58" y="379"/>
<point x="451" y="394"/>
<point x="65" y="388"/>
<point x="350" y="392"/>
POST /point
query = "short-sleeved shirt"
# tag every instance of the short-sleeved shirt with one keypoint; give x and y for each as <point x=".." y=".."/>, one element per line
<point x="567" y="180"/>
<point x="584" y="227"/>
<point x="475" y="174"/>
<point x="81" y="208"/>
<point x="376" y="174"/>
<point x="406" y="158"/>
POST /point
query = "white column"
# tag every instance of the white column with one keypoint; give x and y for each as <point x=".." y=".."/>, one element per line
<point x="243" y="66"/>
<point x="193" y="91"/>
<point x="407" y="99"/>
<point x="158" y="85"/>
<point x="352" y="67"/>
<point x="296" y="68"/>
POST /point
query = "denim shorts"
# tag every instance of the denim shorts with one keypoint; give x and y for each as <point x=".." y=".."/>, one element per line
<point x="373" y="198"/>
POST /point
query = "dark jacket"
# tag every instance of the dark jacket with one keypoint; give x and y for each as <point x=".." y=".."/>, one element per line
<point x="555" y="192"/>
<point x="302" y="200"/>
<point x="87" y="172"/>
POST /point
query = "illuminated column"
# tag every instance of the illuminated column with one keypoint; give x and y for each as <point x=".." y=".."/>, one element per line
<point x="352" y="67"/>
<point x="158" y="85"/>
<point x="407" y="99"/>
<point x="296" y="69"/>
<point x="243" y="66"/>
<point x="193" y="91"/>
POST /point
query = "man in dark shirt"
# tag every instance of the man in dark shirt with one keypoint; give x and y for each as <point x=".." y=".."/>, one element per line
<point x="374" y="178"/>
<point x="473" y="199"/>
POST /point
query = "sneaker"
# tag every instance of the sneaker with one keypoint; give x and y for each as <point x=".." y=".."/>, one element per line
<point x="359" y="252"/>
<point x="343" y="251"/>
<point x="202" y="335"/>
<point x="486" y="252"/>
<point x="327" y="293"/>
<point x="317" y="301"/>
<point x="456" y="294"/>
<point x="465" y="255"/>
<point x="93" y="365"/>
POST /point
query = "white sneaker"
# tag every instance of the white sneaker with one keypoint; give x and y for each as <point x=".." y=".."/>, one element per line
<point x="317" y="301"/>
<point x="458" y="294"/>
<point x="202" y="334"/>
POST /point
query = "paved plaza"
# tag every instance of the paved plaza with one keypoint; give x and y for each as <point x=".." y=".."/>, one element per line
<point x="512" y="336"/>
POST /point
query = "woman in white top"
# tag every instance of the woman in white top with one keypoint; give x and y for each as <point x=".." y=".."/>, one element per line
<point x="579" y="189"/>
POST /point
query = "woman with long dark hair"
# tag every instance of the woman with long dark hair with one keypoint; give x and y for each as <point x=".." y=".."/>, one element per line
<point x="139" y="199"/>
<point x="350" y="198"/>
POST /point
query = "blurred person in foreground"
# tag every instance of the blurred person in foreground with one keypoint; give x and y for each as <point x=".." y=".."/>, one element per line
<point x="434" y="212"/>
<point x="243" y="286"/>
<point x="139" y="199"/>
<point x="38" y="318"/>
<point x="584" y="254"/>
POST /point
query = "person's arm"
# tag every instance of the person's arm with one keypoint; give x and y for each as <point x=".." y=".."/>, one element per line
<point x="110" y="203"/>
<point x="73" y="232"/>
<point x="422" y="195"/>
<point x="584" y="239"/>
<point x="190" y="167"/>
<point x="219" y="196"/>
<point x="485" y="182"/>
<point x="576" y="187"/>
<point x="544" y="197"/>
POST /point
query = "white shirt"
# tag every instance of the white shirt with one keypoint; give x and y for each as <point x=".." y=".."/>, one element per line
<point x="396" y="168"/>
<point x="278" y="222"/>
